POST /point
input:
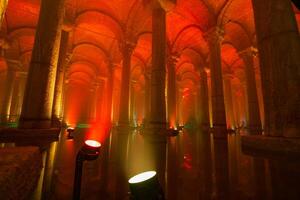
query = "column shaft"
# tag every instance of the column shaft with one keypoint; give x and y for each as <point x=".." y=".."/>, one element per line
<point x="59" y="83"/>
<point x="217" y="94"/>
<point x="204" y="102"/>
<point x="7" y="98"/>
<point x="158" y="75"/>
<point x="171" y="94"/>
<point x="38" y="99"/>
<point x="147" y="100"/>
<point x="279" y="48"/>
<point x="126" y="50"/>
<point x="254" y="122"/>
<point x="3" y="4"/>
<point x="229" y="103"/>
<point x="155" y="135"/>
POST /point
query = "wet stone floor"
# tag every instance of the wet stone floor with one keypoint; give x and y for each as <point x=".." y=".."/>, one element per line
<point x="197" y="167"/>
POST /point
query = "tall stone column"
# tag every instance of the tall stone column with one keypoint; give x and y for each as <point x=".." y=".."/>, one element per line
<point x="254" y="122"/>
<point x="171" y="95"/>
<point x="126" y="50"/>
<point x="214" y="37"/>
<point x="279" y="48"/>
<point x="204" y="102"/>
<point x="155" y="135"/>
<point x="3" y="4"/>
<point x="8" y="94"/>
<point x="63" y="60"/>
<point x="147" y="95"/>
<point x="229" y="103"/>
<point x="132" y="103"/>
<point x="38" y="99"/>
<point x="158" y="75"/>
<point x="110" y="89"/>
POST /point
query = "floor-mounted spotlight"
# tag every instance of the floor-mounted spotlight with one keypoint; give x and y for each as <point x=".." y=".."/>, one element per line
<point x="171" y="132"/>
<point x="70" y="130"/>
<point x="90" y="151"/>
<point x="145" y="186"/>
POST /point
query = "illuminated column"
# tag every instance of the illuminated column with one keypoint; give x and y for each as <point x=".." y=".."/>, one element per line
<point x="171" y="95"/>
<point x="147" y="76"/>
<point x="8" y="92"/>
<point x="16" y="96"/>
<point x="229" y="103"/>
<point x="126" y="50"/>
<point x="155" y="135"/>
<point x="158" y="75"/>
<point x="21" y="91"/>
<point x="3" y="4"/>
<point x="204" y="102"/>
<point x="214" y="37"/>
<point x="99" y="95"/>
<point x="110" y="89"/>
<point x="254" y="122"/>
<point x="279" y="48"/>
<point x="63" y="60"/>
<point x="132" y="102"/>
<point x="38" y="99"/>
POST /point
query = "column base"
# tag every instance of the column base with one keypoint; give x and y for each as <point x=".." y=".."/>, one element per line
<point x="292" y="132"/>
<point x="205" y="126"/>
<point x="219" y="131"/>
<point x="254" y="130"/>
<point x="35" y="124"/>
<point x="155" y="138"/>
<point x="268" y="146"/>
<point x="57" y="123"/>
<point x="29" y="135"/>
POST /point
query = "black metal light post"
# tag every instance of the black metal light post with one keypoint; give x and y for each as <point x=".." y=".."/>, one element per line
<point x="90" y="151"/>
<point x="70" y="130"/>
<point x="145" y="186"/>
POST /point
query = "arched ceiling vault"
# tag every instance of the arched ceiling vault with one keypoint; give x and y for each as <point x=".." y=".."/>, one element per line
<point x="99" y="26"/>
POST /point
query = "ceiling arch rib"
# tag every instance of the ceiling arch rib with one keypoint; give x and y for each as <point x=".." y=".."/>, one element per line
<point x="101" y="17"/>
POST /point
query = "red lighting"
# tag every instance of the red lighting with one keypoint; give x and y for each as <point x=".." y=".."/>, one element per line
<point x="92" y="143"/>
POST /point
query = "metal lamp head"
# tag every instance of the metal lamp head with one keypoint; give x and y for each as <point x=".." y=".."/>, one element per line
<point x="91" y="149"/>
<point x="145" y="186"/>
<point x="70" y="130"/>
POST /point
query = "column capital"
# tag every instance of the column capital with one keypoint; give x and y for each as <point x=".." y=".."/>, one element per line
<point x="250" y="51"/>
<point x="228" y="75"/>
<point x="173" y="58"/>
<point x="68" y="25"/>
<point x="127" y="46"/>
<point x="214" y="35"/>
<point x="4" y="43"/>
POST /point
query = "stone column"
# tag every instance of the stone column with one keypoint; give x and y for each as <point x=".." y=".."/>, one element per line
<point x="229" y="103"/>
<point x="110" y="93"/>
<point x="132" y="103"/>
<point x="3" y="4"/>
<point x="254" y="122"/>
<point x="204" y="102"/>
<point x="155" y="135"/>
<point x="158" y="75"/>
<point x="214" y="37"/>
<point x="63" y="60"/>
<point x="8" y="94"/>
<point x="279" y="48"/>
<point x="171" y="96"/>
<point x="126" y="50"/>
<point x="147" y="95"/>
<point x="38" y="99"/>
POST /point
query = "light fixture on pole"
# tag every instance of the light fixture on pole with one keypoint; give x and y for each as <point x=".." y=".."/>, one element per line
<point x="70" y="130"/>
<point x="145" y="186"/>
<point x="89" y="151"/>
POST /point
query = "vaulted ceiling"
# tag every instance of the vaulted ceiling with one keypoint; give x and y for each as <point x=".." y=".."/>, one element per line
<point x="99" y="27"/>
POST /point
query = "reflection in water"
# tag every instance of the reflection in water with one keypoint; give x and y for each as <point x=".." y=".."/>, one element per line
<point x="197" y="167"/>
